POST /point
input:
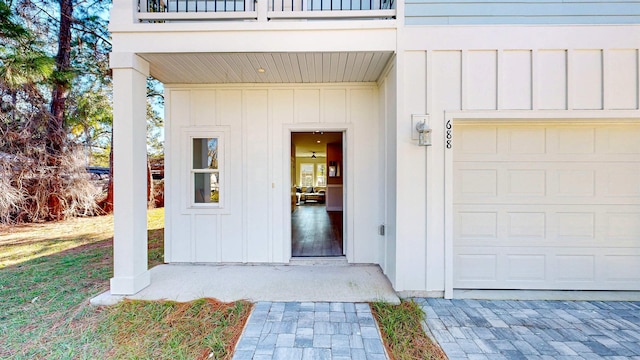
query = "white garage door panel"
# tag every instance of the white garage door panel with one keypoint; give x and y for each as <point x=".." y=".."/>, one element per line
<point x="547" y="206"/>
<point x="538" y="267"/>
<point x="558" y="182"/>
<point x="549" y="225"/>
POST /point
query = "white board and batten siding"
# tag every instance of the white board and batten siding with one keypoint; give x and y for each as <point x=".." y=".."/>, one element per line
<point x="537" y="185"/>
<point x="253" y="225"/>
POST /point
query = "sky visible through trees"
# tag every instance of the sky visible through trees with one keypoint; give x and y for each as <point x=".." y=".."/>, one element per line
<point x="55" y="102"/>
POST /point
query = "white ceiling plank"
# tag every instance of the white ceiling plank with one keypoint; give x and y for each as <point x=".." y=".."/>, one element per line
<point x="311" y="74"/>
<point x="222" y="71"/>
<point x="249" y="73"/>
<point x="277" y="73"/>
<point x="335" y="65"/>
<point x="342" y="66"/>
<point x="366" y="62"/>
<point x="287" y="76"/>
<point x="173" y="66"/>
<point x="311" y="67"/>
<point x="382" y="64"/>
<point x="209" y="71"/>
<point x="302" y="65"/>
<point x="349" y="66"/>
<point x="327" y="67"/>
<point x="373" y="64"/>
<point x="233" y="71"/>
<point x="293" y="73"/>
<point x="376" y="67"/>
<point x="318" y="59"/>
<point x="357" y="67"/>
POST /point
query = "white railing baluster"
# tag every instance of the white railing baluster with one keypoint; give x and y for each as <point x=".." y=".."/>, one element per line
<point x="263" y="10"/>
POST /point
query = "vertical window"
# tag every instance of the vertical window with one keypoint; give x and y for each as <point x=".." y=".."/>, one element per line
<point x="205" y="170"/>
<point x="321" y="175"/>
<point x="306" y="174"/>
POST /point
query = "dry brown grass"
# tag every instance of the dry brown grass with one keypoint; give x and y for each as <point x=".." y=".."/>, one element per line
<point x="200" y="329"/>
<point x="402" y="333"/>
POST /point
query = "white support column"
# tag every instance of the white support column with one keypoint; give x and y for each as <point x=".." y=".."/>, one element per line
<point x="130" y="272"/>
<point x="411" y="174"/>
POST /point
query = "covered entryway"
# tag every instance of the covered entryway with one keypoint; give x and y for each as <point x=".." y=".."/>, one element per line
<point x="546" y="205"/>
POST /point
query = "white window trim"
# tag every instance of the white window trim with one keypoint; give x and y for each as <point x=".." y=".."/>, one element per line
<point x="187" y="171"/>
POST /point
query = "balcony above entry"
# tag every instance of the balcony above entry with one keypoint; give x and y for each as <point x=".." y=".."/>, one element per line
<point x="189" y="10"/>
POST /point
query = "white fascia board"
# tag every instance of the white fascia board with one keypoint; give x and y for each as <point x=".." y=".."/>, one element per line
<point x="448" y="37"/>
<point x="249" y="25"/>
<point x="352" y="40"/>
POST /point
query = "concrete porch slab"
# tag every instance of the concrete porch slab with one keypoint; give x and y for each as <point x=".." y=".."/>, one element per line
<point x="276" y="283"/>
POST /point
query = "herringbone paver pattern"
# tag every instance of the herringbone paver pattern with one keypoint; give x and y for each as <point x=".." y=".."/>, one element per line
<point x="310" y="331"/>
<point x="478" y="329"/>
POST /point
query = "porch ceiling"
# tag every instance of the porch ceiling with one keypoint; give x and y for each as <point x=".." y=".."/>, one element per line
<point x="308" y="67"/>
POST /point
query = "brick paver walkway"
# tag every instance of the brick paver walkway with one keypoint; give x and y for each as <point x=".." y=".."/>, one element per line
<point x="307" y="330"/>
<point x="478" y="329"/>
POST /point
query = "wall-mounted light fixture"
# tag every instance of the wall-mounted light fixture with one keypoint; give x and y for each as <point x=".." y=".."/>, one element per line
<point x="421" y="130"/>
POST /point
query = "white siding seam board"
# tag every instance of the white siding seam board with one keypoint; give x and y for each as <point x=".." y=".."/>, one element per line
<point x="464" y="56"/>
<point x="500" y="81"/>
<point x="245" y="182"/>
<point x="535" y="84"/>
<point x="570" y="87"/>
<point x="219" y="238"/>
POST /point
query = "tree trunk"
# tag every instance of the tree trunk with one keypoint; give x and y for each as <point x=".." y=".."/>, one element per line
<point x="55" y="125"/>
<point x="150" y="198"/>
<point x="107" y="203"/>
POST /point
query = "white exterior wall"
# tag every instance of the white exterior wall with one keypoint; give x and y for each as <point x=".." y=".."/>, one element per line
<point x="387" y="96"/>
<point x="492" y="72"/>
<point x="254" y="223"/>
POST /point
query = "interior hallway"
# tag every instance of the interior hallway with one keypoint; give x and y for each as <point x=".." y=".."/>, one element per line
<point x="316" y="232"/>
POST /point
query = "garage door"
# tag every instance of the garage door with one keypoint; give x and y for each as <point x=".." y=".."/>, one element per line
<point x="546" y="206"/>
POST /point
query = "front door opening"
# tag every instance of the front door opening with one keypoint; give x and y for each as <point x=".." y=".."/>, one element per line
<point x="317" y="169"/>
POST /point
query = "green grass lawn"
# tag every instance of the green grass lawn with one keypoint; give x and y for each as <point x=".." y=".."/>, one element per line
<point x="48" y="273"/>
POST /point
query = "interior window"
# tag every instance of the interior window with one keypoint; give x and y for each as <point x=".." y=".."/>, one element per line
<point x="320" y="175"/>
<point x="205" y="170"/>
<point x="306" y="174"/>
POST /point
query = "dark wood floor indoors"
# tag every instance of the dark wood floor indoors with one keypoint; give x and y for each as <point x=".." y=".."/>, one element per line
<point x="316" y="232"/>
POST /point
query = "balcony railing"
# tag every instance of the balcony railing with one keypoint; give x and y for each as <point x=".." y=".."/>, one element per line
<point x="182" y="10"/>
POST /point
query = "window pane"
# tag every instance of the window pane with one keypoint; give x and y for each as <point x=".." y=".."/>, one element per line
<point x="207" y="188"/>
<point x="205" y="153"/>
<point x="306" y="174"/>
<point x="320" y="174"/>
